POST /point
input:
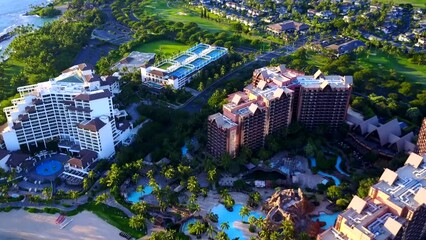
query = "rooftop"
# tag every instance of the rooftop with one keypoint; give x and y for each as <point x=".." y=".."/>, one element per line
<point x="222" y="121"/>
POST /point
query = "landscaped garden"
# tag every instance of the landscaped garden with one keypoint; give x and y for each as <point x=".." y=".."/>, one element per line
<point x="164" y="47"/>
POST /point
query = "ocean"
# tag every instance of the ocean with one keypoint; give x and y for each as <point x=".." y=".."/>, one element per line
<point x="12" y="15"/>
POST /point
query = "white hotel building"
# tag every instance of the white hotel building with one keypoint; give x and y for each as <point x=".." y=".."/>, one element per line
<point x="177" y="71"/>
<point x="74" y="108"/>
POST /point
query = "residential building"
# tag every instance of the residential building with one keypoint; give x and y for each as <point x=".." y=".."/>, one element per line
<point x="276" y="97"/>
<point x="248" y="117"/>
<point x="74" y="109"/>
<point x="395" y="207"/>
<point x="421" y="142"/>
<point x="345" y="47"/>
<point x="177" y="71"/>
<point x="288" y="27"/>
<point x="318" y="99"/>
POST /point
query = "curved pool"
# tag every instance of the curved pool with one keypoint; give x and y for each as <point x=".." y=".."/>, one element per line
<point x="135" y="196"/>
<point x="329" y="219"/>
<point x="231" y="217"/>
<point x="48" y="168"/>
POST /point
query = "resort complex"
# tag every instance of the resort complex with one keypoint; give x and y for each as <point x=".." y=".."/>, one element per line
<point x="276" y="97"/>
<point x="395" y="207"/>
<point x="421" y="142"/>
<point x="74" y="110"/>
<point x="177" y="71"/>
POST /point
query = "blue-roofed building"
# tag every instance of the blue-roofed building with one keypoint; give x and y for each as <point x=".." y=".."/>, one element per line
<point x="177" y="71"/>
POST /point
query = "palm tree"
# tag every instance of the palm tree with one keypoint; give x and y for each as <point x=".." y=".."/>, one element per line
<point x="222" y="236"/>
<point x="211" y="231"/>
<point x="73" y="195"/>
<point x="244" y="212"/>
<point x="224" y="226"/>
<point x="197" y="228"/>
<point x="91" y="175"/>
<point x="137" y="222"/>
<point x="85" y="184"/>
<point x="140" y="207"/>
<point x="287" y="228"/>
<point x="101" y="198"/>
<point x="252" y="220"/>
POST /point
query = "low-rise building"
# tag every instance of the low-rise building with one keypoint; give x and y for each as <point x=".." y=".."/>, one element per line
<point x="177" y="71"/>
<point x="288" y="27"/>
<point x="133" y="62"/>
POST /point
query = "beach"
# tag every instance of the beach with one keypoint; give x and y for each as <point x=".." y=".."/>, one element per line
<point x="19" y="224"/>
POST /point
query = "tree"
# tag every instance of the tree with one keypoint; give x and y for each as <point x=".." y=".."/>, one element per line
<point x="334" y="192"/>
<point x="137" y="222"/>
<point x="73" y="195"/>
<point x="287" y="228"/>
<point x="140" y="208"/>
<point x="244" y="212"/>
<point x="200" y="87"/>
<point x="224" y="226"/>
<point x="252" y="220"/>
<point x="342" y="203"/>
<point x="197" y="228"/>
<point x="101" y="198"/>
<point x="413" y="113"/>
<point x="85" y="183"/>
<point x="222" y="236"/>
<point x="212" y="176"/>
<point x="193" y="185"/>
<point x="91" y="175"/>
<point x="47" y="192"/>
<point x="211" y="231"/>
<point x="364" y="186"/>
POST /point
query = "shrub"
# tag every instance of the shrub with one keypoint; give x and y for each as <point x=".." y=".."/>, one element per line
<point x="252" y="228"/>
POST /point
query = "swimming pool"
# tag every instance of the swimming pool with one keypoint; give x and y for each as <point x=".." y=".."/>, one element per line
<point x="180" y="72"/>
<point x="182" y="58"/>
<point x="214" y="53"/>
<point x="339" y="160"/>
<point x="329" y="219"/>
<point x="231" y="217"/>
<point x="135" y="196"/>
<point x="198" y="62"/>
<point x="184" y="150"/>
<point x="199" y="49"/>
<point x="185" y="226"/>
<point x="48" y="168"/>
<point x="335" y="179"/>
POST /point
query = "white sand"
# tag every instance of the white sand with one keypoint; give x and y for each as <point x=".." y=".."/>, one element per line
<point x="19" y="224"/>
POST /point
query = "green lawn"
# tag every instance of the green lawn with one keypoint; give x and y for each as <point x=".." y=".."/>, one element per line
<point x="413" y="72"/>
<point x="12" y="68"/>
<point x="415" y="3"/>
<point x="164" y="47"/>
<point x="178" y="12"/>
<point x="110" y="215"/>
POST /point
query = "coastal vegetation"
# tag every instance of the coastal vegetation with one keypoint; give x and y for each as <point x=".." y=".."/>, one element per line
<point x="48" y="11"/>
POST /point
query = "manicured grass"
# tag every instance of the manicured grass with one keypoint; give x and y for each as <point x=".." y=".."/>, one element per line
<point x="110" y="215"/>
<point x="12" y="68"/>
<point x="317" y="59"/>
<point x="413" y="72"/>
<point x="164" y="47"/>
<point x="176" y="10"/>
<point x="415" y="3"/>
<point x="165" y="66"/>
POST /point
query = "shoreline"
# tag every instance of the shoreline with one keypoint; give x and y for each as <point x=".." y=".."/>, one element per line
<point x="24" y="225"/>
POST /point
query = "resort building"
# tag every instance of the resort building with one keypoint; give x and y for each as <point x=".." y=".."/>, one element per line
<point x="74" y="109"/>
<point x="318" y="99"/>
<point x="248" y="118"/>
<point x="395" y="207"/>
<point x="421" y="142"/>
<point x="177" y="71"/>
<point x="276" y="97"/>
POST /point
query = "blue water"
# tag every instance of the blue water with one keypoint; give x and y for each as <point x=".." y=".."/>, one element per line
<point x="198" y="62"/>
<point x="48" y="168"/>
<point x="199" y="49"/>
<point x="185" y="226"/>
<point x="135" y="196"/>
<point x="182" y="58"/>
<point x="184" y="150"/>
<point x="214" y="53"/>
<point x="11" y="16"/>
<point x="179" y="72"/>
<point x="231" y="217"/>
<point x="339" y="160"/>
<point x="329" y="219"/>
<point x="335" y="179"/>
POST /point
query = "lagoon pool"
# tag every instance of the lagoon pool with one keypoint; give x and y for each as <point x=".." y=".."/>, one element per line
<point x="339" y="160"/>
<point x="335" y="179"/>
<point x="231" y="217"/>
<point x="329" y="219"/>
<point x="184" y="150"/>
<point x="135" y="196"/>
<point x="48" y="168"/>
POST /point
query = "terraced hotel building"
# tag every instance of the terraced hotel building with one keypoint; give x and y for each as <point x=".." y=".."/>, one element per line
<point x="276" y="97"/>
<point x="395" y="207"/>
<point x="75" y="109"/>
<point x="177" y="71"/>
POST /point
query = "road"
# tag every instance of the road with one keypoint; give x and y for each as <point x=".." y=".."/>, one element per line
<point x="195" y="104"/>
